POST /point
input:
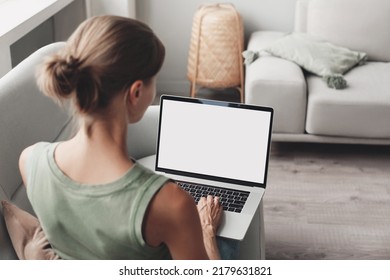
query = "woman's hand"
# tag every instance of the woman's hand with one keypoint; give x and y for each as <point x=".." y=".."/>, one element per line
<point x="210" y="213"/>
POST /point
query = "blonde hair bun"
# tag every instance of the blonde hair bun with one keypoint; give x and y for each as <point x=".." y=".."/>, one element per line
<point x="101" y="59"/>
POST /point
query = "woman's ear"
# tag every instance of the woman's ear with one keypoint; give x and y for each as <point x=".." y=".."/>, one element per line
<point x="134" y="92"/>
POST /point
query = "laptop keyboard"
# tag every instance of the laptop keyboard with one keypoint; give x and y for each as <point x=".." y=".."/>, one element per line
<point x="231" y="200"/>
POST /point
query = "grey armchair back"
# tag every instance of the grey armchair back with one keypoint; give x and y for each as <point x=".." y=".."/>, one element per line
<point x="27" y="117"/>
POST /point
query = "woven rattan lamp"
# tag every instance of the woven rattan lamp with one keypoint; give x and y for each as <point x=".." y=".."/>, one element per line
<point x="217" y="41"/>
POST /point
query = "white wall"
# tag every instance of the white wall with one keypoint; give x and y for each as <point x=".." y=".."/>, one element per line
<point x="124" y="8"/>
<point x="172" y="22"/>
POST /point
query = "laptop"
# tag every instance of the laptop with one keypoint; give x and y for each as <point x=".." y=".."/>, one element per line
<point x="218" y="148"/>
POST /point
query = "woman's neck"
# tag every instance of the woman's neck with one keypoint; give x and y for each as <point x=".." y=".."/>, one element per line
<point x="103" y="135"/>
<point x="106" y="131"/>
<point x="98" y="152"/>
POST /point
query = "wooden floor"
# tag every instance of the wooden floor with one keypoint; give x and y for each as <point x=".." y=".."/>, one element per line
<point x="325" y="201"/>
<point x="328" y="202"/>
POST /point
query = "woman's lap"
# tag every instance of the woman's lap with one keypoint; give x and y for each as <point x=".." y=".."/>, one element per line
<point x="229" y="249"/>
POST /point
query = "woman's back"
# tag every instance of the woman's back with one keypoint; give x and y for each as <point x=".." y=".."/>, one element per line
<point x="85" y="221"/>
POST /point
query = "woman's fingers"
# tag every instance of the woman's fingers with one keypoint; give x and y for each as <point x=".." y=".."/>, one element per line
<point x="210" y="211"/>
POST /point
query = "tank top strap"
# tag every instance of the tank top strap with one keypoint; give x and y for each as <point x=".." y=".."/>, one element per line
<point x="32" y="162"/>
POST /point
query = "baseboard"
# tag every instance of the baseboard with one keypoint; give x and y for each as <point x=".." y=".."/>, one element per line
<point x="286" y="137"/>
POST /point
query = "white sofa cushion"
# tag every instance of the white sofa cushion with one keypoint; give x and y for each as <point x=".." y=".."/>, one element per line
<point x="361" y="110"/>
<point x="352" y="24"/>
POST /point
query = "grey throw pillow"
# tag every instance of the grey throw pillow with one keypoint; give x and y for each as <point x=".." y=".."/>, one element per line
<point x="317" y="56"/>
<point x="314" y="55"/>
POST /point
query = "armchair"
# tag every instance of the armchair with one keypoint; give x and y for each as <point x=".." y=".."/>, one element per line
<point x="27" y="117"/>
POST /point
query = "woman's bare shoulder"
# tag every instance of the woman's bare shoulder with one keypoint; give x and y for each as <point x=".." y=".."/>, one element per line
<point x="22" y="162"/>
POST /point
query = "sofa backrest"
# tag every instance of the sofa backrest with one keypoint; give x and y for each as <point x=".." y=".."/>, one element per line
<point x="361" y="25"/>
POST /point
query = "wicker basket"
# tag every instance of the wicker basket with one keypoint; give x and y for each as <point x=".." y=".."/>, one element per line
<point x="217" y="41"/>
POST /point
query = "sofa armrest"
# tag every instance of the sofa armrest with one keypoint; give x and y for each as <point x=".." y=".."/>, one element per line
<point x="142" y="136"/>
<point x="267" y="67"/>
<point x="277" y="83"/>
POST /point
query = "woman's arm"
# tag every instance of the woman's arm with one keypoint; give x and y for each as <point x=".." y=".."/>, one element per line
<point x="173" y="219"/>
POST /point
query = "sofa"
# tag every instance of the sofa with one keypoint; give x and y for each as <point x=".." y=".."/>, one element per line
<point x="27" y="117"/>
<point x="306" y="110"/>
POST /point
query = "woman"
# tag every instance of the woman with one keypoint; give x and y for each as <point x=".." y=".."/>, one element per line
<point x="93" y="201"/>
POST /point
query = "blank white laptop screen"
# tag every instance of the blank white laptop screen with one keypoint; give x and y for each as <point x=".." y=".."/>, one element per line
<point x="214" y="139"/>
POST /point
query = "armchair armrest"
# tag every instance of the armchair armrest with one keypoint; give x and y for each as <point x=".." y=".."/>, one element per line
<point x="142" y="136"/>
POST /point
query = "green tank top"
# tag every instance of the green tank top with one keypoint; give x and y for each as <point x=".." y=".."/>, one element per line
<point x="92" y="221"/>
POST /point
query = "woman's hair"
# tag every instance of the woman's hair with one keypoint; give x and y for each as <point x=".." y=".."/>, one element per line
<point x="103" y="57"/>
